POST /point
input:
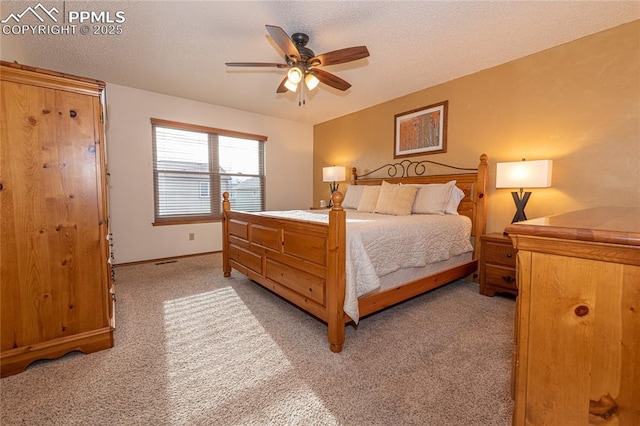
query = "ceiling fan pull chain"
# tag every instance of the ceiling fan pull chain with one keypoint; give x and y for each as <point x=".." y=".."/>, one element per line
<point x="304" y="92"/>
<point x="301" y="95"/>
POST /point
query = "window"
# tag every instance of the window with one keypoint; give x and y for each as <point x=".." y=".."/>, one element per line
<point x="205" y="189"/>
<point x="193" y="166"/>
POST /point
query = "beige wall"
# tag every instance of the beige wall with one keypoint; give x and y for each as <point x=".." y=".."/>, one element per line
<point x="130" y="163"/>
<point x="577" y="104"/>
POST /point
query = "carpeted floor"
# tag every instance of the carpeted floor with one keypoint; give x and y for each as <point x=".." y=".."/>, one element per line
<point x="194" y="348"/>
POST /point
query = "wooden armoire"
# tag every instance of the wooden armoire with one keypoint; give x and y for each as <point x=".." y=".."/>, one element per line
<point x="56" y="290"/>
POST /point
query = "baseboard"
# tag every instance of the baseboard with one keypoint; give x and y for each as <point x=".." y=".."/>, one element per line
<point x="165" y="259"/>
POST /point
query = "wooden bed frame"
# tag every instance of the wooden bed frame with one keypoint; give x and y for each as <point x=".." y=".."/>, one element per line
<point x="304" y="262"/>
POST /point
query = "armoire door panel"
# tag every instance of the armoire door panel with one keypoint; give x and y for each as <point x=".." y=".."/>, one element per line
<point x="55" y="293"/>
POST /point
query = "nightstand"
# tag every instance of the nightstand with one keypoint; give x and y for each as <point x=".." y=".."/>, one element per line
<point x="497" y="265"/>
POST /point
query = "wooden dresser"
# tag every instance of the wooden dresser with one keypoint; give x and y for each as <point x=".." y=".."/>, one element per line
<point x="497" y="265"/>
<point x="578" y="318"/>
<point x="56" y="289"/>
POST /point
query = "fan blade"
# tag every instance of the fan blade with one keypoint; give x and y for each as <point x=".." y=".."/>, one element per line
<point x="331" y="80"/>
<point x="339" y="56"/>
<point x="256" y="64"/>
<point x="284" y="42"/>
<point x="282" y="88"/>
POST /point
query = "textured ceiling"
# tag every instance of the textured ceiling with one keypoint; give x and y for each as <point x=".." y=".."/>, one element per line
<point x="180" y="47"/>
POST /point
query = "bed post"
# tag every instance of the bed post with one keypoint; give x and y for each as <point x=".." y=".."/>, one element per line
<point x="480" y="199"/>
<point x="226" y="206"/>
<point x="336" y="273"/>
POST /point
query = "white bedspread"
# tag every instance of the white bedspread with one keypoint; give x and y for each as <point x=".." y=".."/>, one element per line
<point x="379" y="244"/>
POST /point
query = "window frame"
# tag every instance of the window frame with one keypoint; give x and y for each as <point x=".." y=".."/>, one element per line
<point x="210" y="131"/>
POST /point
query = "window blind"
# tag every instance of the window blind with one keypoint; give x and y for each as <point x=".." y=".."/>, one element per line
<point x="193" y="167"/>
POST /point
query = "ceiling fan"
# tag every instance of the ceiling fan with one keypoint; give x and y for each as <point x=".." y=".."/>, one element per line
<point x="303" y="64"/>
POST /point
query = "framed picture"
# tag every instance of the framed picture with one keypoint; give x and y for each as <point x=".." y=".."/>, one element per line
<point x="421" y="131"/>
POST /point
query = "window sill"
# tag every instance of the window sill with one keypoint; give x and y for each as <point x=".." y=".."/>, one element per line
<point x="185" y="221"/>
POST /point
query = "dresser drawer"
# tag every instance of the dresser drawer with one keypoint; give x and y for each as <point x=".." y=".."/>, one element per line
<point x="501" y="254"/>
<point x="500" y="277"/>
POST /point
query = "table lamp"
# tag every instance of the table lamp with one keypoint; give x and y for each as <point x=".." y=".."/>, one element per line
<point x="333" y="174"/>
<point x="523" y="174"/>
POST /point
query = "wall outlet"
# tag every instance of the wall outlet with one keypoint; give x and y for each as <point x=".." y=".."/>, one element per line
<point x="192" y="236"/>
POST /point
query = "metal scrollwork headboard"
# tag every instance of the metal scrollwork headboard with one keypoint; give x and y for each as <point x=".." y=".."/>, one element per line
<point x="405" y="168"/>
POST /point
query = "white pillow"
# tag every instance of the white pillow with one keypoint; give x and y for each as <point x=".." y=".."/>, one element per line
<point x="369" y="198"/>
<point x="433" y="198"/>
<point x="395" y="199"/>
<point x="456" y="196"/>
<point x="353" y="196"/>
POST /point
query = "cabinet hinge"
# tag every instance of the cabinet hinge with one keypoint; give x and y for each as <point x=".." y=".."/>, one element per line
<point x="102" y="117"/>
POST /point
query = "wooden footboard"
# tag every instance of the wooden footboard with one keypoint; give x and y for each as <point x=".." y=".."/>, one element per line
<point x="302" y="261"/>
<point x="305" y="262"/>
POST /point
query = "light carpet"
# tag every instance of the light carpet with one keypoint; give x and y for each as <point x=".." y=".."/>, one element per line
<point x="195" y="348"/>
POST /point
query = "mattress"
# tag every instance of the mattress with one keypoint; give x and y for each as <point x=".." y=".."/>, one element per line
<point x="379" y="245"/>
<point x="407" y="275"/>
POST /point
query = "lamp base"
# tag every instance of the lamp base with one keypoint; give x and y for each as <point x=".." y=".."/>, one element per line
<point x="333" y="187"/>
<point x="521" y="201"/>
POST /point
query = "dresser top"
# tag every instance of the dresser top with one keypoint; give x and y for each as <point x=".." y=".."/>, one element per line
<point x="618" y="225"/>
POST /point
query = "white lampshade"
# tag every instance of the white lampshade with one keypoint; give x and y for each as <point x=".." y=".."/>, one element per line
<point x="334" y="174"/>
<point x="291" y="86"/>
<point x="524" y="174"/>
<point x="311" y="81"/>
<point x="295" y="75"/>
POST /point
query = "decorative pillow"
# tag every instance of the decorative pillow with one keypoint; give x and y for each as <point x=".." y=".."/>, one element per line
<point x="433" y="198"/>
<point x="454" y="201"/>
<point x="369" y="198"/>
<point x="353" y="196"/>
<point x="395" y="199"/>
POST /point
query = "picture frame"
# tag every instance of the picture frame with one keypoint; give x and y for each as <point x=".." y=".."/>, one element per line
<point x="421" y="131"/>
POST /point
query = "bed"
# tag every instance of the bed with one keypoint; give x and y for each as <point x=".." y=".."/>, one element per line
<point x="305" y="256"/>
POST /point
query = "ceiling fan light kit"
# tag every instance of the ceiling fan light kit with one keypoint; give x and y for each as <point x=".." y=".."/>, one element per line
<point x="295" y="75"/>
<point x="291" y="86"/>
<point x="311" y="81"/>
<point x="303" y="63"/>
